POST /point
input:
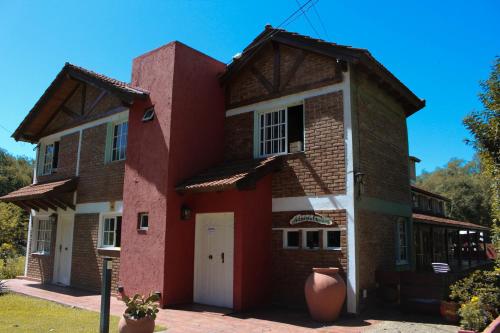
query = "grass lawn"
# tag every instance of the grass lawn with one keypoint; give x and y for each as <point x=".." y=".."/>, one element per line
<point x="27" y="314"/>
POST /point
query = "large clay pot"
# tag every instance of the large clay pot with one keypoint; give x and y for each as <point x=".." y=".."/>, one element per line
<point x="449" y="311"/>
<point x="143" y="325"/>
<point x="325" y="293"/>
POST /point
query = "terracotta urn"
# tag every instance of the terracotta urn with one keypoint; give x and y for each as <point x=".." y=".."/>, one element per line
<point x="325" y="293"/>
<point x="130" y="325"/>
<point x="449" y="311"/>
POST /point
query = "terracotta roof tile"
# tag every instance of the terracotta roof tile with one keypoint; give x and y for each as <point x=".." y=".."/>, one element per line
<point x="230" y="175"/>
<point x="446" y="222"/>
<point x="118" y="84"/>
<point x="40" y="190"/>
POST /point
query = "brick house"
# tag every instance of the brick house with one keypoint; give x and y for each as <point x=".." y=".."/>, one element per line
<point x="219" y="184"/>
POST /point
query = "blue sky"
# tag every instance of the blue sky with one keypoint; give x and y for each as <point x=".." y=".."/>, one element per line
<point x="440" y="49"/>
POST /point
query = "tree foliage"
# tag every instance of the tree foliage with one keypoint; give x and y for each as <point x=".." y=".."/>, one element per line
<point x="15" y="172"/>
<point x="484" y="126"/>
<point x="464" y="184"/>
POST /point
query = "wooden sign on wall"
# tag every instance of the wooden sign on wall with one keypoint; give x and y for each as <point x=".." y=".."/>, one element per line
<point x="315" y="218"/>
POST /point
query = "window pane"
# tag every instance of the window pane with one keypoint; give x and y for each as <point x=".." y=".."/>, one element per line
<point x="333" y="239"/>
<point x="292" y="239"/>
<point x="312" y="239"/>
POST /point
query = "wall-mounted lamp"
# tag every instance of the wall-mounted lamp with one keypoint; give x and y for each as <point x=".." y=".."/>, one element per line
<point x="359" y="180"/>
<point x="53" y="218"/>
<point x="185" y="212"/>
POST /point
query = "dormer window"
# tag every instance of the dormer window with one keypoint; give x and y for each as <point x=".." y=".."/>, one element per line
<point x="280" y="131"/>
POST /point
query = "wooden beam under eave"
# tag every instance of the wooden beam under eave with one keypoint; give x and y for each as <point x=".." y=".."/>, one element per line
<point x="59" y="203"/>
<point x="262" y="79"/>
<point x="31" y="205"/>
<point x="49" y="204"/>
<point x="276" y="67"/>
<point x="40" y="204"/>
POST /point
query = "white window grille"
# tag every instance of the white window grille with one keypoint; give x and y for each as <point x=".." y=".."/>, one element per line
<point x="272" y="135"/>
<point x="44" y="234"/>
<point x="119" y="149"/>
<point x="111" y="229"/>
<point x="402" y="242"/>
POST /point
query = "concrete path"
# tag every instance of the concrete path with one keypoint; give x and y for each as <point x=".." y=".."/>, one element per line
<point x="201" y="319"/>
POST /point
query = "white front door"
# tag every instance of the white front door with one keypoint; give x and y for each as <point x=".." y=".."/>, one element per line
<point x="213" y="262"/>
<point x="64" y="247"/>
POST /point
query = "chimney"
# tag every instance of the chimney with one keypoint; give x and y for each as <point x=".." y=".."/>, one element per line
<point x="413" y="170"/>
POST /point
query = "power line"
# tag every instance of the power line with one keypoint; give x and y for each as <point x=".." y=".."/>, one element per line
<point x="309" y="21"/>
<point x="321" y="22"/>
<point x="291" y="18"/>
<point x="5" y="129"/>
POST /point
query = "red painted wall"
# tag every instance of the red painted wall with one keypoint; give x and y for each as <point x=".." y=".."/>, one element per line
<point x="253" y="231"/>
<point x="185" y="137"/>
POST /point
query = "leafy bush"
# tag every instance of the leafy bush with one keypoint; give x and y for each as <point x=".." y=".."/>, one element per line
<point x="11" y="268"/>
<point x="474" y="315"/>
<point x="139" y="306"/>
<point x="478" y="295"/>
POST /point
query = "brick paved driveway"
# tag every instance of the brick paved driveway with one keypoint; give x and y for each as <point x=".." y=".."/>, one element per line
<point x="201" y="319"/>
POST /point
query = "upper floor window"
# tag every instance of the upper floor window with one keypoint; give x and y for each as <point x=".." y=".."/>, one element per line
<point x="116" y="141"/>
<point x="281" y="131"/>
<point x="50" y="158"/>
<point x="402" y="242"/>
<point x="414" y="199"/>
<point x="120" y="132"/>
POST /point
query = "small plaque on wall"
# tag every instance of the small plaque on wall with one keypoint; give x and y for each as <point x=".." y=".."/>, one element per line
<point x="315" y="218"/>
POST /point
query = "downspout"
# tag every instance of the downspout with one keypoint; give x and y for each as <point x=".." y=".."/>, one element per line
<point x="30" y="222"/>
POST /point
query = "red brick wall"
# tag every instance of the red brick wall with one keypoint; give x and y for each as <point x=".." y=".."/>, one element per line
<point x="86" y="266"/>
<point x="291" y="267"/>
<point x="321" y="169"/>
<point x="41" y="267"/>
<point x="98" y="181"/>
<point x="238" y="137"/>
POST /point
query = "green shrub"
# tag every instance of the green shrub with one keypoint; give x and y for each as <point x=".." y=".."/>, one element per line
<point x="479" y="297"/>
<point x="11" y="268"/>
<point x="475" y="315"/>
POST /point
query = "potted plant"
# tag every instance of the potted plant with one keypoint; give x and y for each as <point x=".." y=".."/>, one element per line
<point x="140" y="315"/>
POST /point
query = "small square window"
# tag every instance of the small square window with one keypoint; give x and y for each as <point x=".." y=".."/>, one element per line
<point x="333" y="239"/>
<point x="312" y="239"/>
<point x="143" y="221"/>
<point x="292" y="239"/>
<point x="148" y="115"/>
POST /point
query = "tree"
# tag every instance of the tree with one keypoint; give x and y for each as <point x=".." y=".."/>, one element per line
<point x="15" y="172"/>
<point x="463" y="183"/>
<point x="485" y="126"/>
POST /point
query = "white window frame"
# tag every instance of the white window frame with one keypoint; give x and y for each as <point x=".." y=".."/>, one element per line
<point x="257" y="128"/>
<point x="45" y="232"/>
<point x="399" y="223"/>
<point x="285" y="238"/>
<point x="325" y="239"/>
<point x="103" y="217"/>
<point x="119" y="147"/>
<point x="141" y="227"/>
<point x="44" y="164"/>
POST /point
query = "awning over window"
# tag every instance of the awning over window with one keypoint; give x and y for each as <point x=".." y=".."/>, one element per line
<point x="43" y="195"/>
<point x="232" y="175"/>
<point x="445" y="222"/>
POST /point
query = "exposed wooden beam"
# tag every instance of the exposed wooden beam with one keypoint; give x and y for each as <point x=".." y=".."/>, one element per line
<point x="31" y="205"/>
<point x="276" y="67"/>
<point x="99" y="84"/>
<point x="92" y="106"/>
<point x="49" y="204"/>
<point x="262" y="79"/>
<point x="295" y="66"/>
<point x="59" y="203"/>
<point x="84" y="98"/>
<point x="40" y="204"/>
<point x="58" y="109"/>
<point x="69" y="112"/>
